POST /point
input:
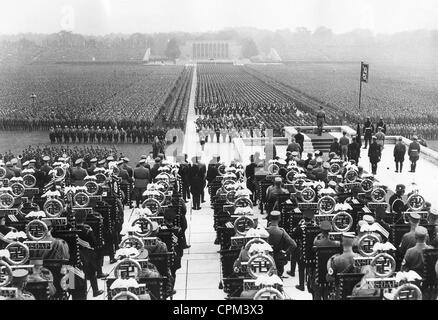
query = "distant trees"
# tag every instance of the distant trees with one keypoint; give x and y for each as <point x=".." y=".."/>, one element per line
<point x="249" y="48"/>
<point x="172" y="49"/>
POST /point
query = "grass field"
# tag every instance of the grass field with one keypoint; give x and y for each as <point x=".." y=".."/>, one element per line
<point x="16" y="141"/>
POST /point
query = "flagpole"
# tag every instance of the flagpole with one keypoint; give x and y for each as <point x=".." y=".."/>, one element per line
<point x="360" y="83"/>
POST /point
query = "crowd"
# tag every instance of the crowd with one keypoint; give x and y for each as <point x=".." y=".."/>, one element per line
<point x="427" y="131"/>
<point x="102" y="232"/>
<point x="231" y="90"/>
<point x="109" y="135"/>
<point x="33" y="98"/>
<point x="311" y="210"/>
<point x="37" y="153"/>
<point x="336" y="87"/>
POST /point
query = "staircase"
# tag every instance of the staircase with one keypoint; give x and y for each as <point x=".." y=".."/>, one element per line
<point x="321" y="143"/>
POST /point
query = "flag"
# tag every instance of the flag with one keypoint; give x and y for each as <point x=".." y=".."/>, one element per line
<point x="364" y="68"/>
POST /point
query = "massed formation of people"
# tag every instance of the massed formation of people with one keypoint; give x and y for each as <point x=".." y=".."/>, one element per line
<point x="63" y="216"/>
<point x="245" y="116"/>
<point x="110" y="135"/>
<point x="329" y="218"/>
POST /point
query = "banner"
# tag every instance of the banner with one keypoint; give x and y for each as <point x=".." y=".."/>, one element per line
<point x="364" y="68"/>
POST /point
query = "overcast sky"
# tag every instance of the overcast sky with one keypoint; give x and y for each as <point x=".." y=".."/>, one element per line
<point x="147" y="16"/>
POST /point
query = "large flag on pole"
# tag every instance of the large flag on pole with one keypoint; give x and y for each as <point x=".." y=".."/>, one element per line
<point x="364" y="68"/>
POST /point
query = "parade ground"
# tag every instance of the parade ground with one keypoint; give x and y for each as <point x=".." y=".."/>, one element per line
<point x="200" y="274"/>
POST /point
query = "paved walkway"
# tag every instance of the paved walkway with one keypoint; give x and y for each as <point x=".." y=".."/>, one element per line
<point x="201" y="272"/>
<point x="425" y="177"/>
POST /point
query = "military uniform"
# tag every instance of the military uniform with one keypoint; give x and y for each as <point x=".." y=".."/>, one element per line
<point x="343" y="263"/>
<point x="90" y="169"/>
<point x="272" y="194"/>
<point x="281" y="243"/>
<point x="142" y="177"/>
<point x="122" y="135"/>
<point x="322" y="240"/>
<point x="73" y="134"/>
<point x="88" y="256"/>
<point x="414" y="153"/>
<point x="92" y="134"/>
<point x="368" y="131"/>
<point x="66" y="133"/>
<point x="78" y="174"/>
<point x="408" y="240"/>
<point x="86" y="134"/>
<point x="298" y="235"/>
<point x="413" y="258"/>
<point x="374" y="153"/>
<point x="52" y="135"/>
<point x="320" y="119"/>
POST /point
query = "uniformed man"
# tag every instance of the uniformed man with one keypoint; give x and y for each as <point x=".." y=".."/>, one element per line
<point x="52" y="135"/>
<point x="335" y="147"/>
<point x="122" y="135"/>
<point x="382" y="125"/>
<point x="197" y="183"/>
<point x="66" y="133"/>
<point x="92" y="133"/>
<point x="79" y="133"/>
<point x="58" y="134"/>
<point x="78" y="173"/>
<point x="125" y="178"/>
<point x="45" y="169"/>
<point x="344" y="142"/>
<point x="414" y="259"/>
<point x="432" y="217"/>
<point x="294" y="146"/>
<point x="116" y="134"/>
<point x="203" y="175"/>
<point x="322" y="240"/>
<point x="374" y="153"/>
<point x="368" y="130"/>
<point x="86" y="134"/>
<point x="103" y="134"/>
<point x="282" y="244"/>
<point x="90" y="170"/>
<point x="298" y="234"/>
<point x="98" y="134"/>
<point x="400" y="190"/>
<point x="408" y="240"/>
<point x="73" y="133"/>
<point x="414" y="153"/>
<point x="343" y="263"/>
<point x="399" y="154"/>
<point x="320" y="119"/>
<point x="354" y="150"/>
<point x="272" y="193"/>
<point x="299" y="138"/>
<point x="19" y="281"/>
<point x="127" y="167"/>
<point x="142" y="177"/>
<point x="109" y="134"/>
<point x="87" y="245"/>
<point x="380" y="138"/>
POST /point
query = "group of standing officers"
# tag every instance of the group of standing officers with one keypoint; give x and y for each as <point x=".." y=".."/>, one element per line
<point x="92" y="134"/>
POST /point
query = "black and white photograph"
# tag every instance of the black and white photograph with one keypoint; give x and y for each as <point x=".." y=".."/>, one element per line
<point x="230" y="151"/>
